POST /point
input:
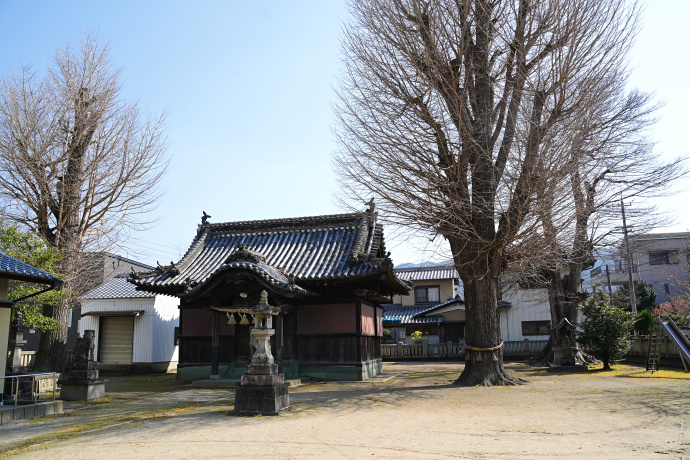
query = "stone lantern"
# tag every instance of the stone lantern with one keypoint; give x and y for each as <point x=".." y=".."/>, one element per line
<point x="262" y="388"/>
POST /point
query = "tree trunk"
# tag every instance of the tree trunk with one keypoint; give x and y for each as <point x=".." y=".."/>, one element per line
<point x="50" y="356"/>
<point x="564" y="300"/>
<point x="483" y="332"/>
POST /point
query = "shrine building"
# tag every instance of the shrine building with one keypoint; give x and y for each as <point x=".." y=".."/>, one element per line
<point x="328" y="276"/>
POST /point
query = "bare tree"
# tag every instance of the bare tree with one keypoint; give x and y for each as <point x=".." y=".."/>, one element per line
<point x="611" y="159"/>
<point x="452" y="114"/>
<point x="79" y="165"/>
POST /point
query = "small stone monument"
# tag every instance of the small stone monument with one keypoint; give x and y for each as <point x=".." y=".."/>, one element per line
<point x="563" y="354"/>
<point x="16" y="346"/>
<point x="262" y="389"/>
<point x="82" y="381"/>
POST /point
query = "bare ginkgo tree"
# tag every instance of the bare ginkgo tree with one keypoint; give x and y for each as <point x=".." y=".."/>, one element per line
<point x="79" y="164"/>
<point x="455" y="116"/>
<point x="611" y="159"/>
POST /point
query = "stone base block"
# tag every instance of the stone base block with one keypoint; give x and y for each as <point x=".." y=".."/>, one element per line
<point x="262" y="380"/>
<point x="263" y="369"/>
<point x="82" y="391"/>
<point x="82" y="374"/>
<point x="251" y="400"/>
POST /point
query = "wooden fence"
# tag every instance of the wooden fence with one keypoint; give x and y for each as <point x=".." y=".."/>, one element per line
<point x="28" y="358"/>
<point x="454" y="350"/>
<point x="667" y="350"/>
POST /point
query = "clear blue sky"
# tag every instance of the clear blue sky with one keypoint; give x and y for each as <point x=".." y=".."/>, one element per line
<point x="248" y="91"/>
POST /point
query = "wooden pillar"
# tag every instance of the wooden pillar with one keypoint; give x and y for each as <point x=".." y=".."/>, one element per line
<point x="279" y="340"/>
<point x="215" y="344"/>
<point x="358" y="322"/>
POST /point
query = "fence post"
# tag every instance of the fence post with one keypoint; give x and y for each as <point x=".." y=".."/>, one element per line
<point x="527" y="346"/>
<point x="398" y="350"/>
<point x="449" y="347"/>
<point x="425" y="349"/>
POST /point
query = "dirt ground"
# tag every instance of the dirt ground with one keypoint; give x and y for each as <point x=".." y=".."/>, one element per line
<point x="412" y="411"/>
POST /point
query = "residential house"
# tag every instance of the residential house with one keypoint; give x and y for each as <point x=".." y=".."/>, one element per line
<point x="431" y="308"/>
<point x="434" y="310"/>
<point x="134" y="330"/>
<point x="328" y="276"/>
<point x="99" y="267"/>
<point x="662" y="260"/>
<point x="524" y="312"/>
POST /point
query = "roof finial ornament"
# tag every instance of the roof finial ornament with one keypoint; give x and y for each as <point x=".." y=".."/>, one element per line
<point x="372" y="206"/>
<point x="204" y="218"/>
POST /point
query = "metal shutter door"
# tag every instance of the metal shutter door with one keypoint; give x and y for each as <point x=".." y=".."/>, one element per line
<point x="116" y="339"/>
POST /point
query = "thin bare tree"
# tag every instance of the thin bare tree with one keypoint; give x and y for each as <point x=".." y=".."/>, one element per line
<point x="611" y="158"/>
<point x="452" y="114"/>
<point x="79" y="165"/>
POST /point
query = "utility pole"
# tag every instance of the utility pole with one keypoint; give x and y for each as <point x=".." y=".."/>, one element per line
<point x="633" y="301"/>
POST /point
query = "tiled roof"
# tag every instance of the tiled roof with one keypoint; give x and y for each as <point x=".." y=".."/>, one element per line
<point x="286" y="253"/>
<point x="130" y="261"/>
<point x="409" y="314"/>
<point x="116" y="288"/>
<point x="14" y="269"/>
<point x="434" y="272"/>
<point x="448" y="302"/>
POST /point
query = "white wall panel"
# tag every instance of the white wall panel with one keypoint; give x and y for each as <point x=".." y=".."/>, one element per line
<point x="527" y="305"/>
<point x="166" y="319"/>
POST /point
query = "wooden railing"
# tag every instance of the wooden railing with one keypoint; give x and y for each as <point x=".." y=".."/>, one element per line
<point x="449" y="350"/>
<point x="28" y="358"/>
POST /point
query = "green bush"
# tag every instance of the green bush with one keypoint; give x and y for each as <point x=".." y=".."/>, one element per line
<point x="643" y="322"/>
<point x="387" y="336"/>
<point x="606" y="329"/>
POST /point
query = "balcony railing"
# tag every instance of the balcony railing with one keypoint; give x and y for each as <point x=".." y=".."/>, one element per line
<point x="613" y="270"/>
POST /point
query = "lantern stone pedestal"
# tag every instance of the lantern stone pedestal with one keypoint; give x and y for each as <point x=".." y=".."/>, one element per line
<point x="262" y="389"/>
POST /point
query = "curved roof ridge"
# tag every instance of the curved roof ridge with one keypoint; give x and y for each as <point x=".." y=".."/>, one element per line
<point x="287" y="222"/>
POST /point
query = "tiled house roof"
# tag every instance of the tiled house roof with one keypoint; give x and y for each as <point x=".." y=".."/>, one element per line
<point x="288" y="253"/>
<point x="436" y="272"/>
<point x="438" y="306"/>
<point x="14" y="269"/>
<point x="116" y="288"/>
<point x="410" y="314"/>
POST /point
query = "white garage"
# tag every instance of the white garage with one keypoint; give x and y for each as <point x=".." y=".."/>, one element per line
<point x="135" y="331"/>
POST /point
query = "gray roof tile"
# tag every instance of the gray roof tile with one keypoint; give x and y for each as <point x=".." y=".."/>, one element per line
<point x="319" y="248"/>
<point x="409" y="314"/>
<point x="116" y="288"/>
<point x="435" y="272"/>
<point x="17" y="270"/>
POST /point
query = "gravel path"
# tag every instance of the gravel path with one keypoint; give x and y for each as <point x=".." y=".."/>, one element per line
<point x="411" y="412"/>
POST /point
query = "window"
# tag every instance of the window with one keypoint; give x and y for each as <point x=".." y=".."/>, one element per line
<point x="452" y="332"/>
<point x="536" y="327"/>
<point x="426" y="294"/>
<point x="663" y="257"/>
<point x="667" y="290"/>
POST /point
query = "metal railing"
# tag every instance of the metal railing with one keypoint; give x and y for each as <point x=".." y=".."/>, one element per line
<point x="17" y="388"/>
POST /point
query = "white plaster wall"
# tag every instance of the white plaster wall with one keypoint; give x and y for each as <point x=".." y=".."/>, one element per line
<point x="527" y="305"/>
<point x="166" y="319"/>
